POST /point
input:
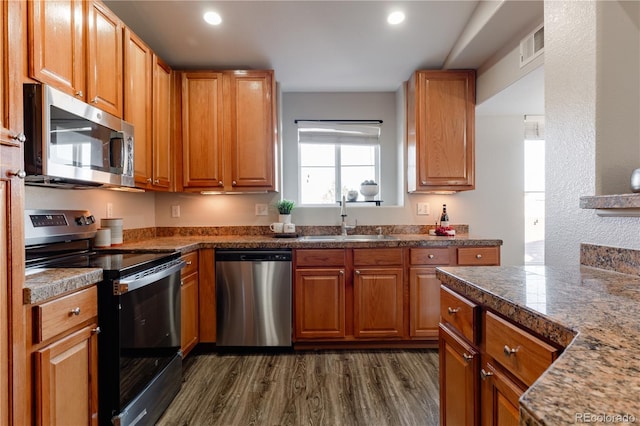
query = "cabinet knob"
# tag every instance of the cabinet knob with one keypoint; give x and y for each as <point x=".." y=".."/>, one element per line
<point x="510" y="351"/>
<point x="94" y="100"/>
<point x="157" y="181"/>
<point x="484" y="374"/>
<point x="20" y="137"/>
<point x="79" y="93"/>
<point x="75" y="311"/>
<point x="431" y="256"/>
<point x="341" y="272"/>
<point x="19" y="174"/>
<point x="453" y="310"/>
<point x="467" y="357"/>
<point x="96" y="330"/>
<point x="220" y="183"/>
<point x="423" y="182"/>
<point x="478" y="256"/>
<point x="357" y="272"/>
<point x="149" y="180"/>
<point x="233" y="182"/>
<point x="189" y="262"/>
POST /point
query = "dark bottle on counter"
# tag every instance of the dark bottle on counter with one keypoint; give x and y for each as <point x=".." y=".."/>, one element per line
<point x="444" y="217"/>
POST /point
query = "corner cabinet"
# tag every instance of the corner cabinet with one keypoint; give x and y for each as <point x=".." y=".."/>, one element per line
<point x="228" y="131"/>
<point x="441" y="131"/>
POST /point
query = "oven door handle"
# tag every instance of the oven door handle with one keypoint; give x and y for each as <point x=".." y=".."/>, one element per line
<point x="123" y="286"/>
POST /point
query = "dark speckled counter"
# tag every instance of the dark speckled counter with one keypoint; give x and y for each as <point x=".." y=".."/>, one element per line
<point x="590" y="311"/>
<point x="53" y="282"/>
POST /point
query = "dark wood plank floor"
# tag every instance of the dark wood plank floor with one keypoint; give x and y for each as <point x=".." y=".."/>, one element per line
<point x="381" y="387"/>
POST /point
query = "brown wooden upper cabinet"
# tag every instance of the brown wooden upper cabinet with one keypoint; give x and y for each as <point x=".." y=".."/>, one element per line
<point x="148" y="82"/>
<point x="441" y="131"/>
<point x="228" y="131"/>
<point x="76" y="46"/>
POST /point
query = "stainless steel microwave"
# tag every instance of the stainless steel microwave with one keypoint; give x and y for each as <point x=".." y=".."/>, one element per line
<point x="72" y="144"/>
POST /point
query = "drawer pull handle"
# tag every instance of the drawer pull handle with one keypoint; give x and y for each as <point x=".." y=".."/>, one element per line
<point x="484" y="374"/>
<point x="453" y="310"/>
<point x="431" y="256"/>
<point x="467" y="357"/>
<point x="96" y="330"/>
<point x="75" y="311"/>
<point x="478" y="256"/>
<point x="510" y="351"/>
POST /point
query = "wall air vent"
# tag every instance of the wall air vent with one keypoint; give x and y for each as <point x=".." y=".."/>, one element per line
<point x="532" y="46"/>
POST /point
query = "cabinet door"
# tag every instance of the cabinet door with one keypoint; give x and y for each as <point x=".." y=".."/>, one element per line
<point x="499" y="398"/>
<point x="377" y="295"/>
<point x="441" y="123"/>
<point x="56" y="50"/>
<point x="250" y="128"/>
<point x="190" y="314"/>
<point x="161" y="125"/>
<point x="138" y="62"/>
<point x="202" y="130"/>
<point x="12" y="348"/>
<point x="424" y="302"/>
<point x="459" y="382"/>
<point x="319" y="303"/>
<point x="104" y="59"/>
<point x="67" y="380"/>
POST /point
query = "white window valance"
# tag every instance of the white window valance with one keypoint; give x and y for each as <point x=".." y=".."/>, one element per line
<point x="339" y="132"/>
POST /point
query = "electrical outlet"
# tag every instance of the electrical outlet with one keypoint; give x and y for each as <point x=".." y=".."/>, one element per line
<point x="109" y="210"/>
<point x="423" y="209"/>
<point x="175" y="211"/>
<point x="262" y="209"/>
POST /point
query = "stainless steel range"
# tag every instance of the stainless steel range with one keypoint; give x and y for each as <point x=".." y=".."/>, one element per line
<point x="139" y="358"/>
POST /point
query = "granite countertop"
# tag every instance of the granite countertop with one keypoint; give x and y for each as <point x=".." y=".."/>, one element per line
<point x="52" y="282"/>
<point x="186" y="244"/>
<point x="589" y="311"/>
<point x="47" y="283"/>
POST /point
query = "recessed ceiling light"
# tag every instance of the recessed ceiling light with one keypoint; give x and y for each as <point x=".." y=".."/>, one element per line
<point x="395" y="18"/>
<point x="212" y="18"/>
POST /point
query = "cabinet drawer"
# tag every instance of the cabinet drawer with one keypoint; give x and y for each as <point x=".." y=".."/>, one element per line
<point x="192" y="263"/>
<point x="470" y="256"/>
<point x="429" y="256"/>
<point x="60" y="315"/>
<point x="377" y="257"/>
<point x="521" y="353"/>
<point x="320" y="257"/>
<point x="460" y="312"/>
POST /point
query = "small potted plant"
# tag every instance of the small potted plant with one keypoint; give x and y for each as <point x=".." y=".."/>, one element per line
<point x="284" y="208"/>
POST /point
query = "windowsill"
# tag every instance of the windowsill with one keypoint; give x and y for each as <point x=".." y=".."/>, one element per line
<point x="621" y="205"/>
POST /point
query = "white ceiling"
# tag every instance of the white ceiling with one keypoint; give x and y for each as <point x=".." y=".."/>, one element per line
<point x="322" y="46"/>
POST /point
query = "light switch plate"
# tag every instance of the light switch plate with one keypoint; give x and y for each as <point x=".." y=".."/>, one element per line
<point x="423" y="209"/>
<point x="262" y="209"/>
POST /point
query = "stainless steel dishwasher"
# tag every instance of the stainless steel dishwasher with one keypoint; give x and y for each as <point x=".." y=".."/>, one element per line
<point x="253" y="297"/>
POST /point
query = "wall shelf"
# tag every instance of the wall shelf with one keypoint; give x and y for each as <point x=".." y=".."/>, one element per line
<point x="362" y="201"/>
<point x="621" y="205"/>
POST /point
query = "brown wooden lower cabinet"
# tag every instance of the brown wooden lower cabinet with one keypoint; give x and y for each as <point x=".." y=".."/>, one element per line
<point x="459" y="379"/>
<point x="499" y="395"/>
<point x="63" y="344"/>
<point x="482" y="384"/>
<point x="66" y="380"/>
<point x="424" y="303"/>
<point x="319" y="303"/>
<point x="377" y="302"/>
<point x="190" y="313"/>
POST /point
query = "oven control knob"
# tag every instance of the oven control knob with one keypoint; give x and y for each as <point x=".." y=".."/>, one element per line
<point x="81" y="220"/>
<point x="91" y="219"/>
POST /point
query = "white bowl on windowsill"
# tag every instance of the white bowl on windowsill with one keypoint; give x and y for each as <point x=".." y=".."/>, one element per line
<point x="369" y="191"/>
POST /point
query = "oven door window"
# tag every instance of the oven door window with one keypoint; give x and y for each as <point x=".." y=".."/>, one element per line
<point x="149" y="333"/>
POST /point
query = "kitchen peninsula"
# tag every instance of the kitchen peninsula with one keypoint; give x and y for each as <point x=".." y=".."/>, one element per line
<point x="586" y="309"/>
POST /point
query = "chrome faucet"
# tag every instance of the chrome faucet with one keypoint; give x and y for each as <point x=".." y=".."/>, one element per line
<point x="343" y="214"/>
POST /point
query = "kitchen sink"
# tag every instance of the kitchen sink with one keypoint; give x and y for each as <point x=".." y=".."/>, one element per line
<point x="349" y="238"/>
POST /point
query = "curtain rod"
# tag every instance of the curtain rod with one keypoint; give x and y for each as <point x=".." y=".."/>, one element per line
<point x="341" y="121"/>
